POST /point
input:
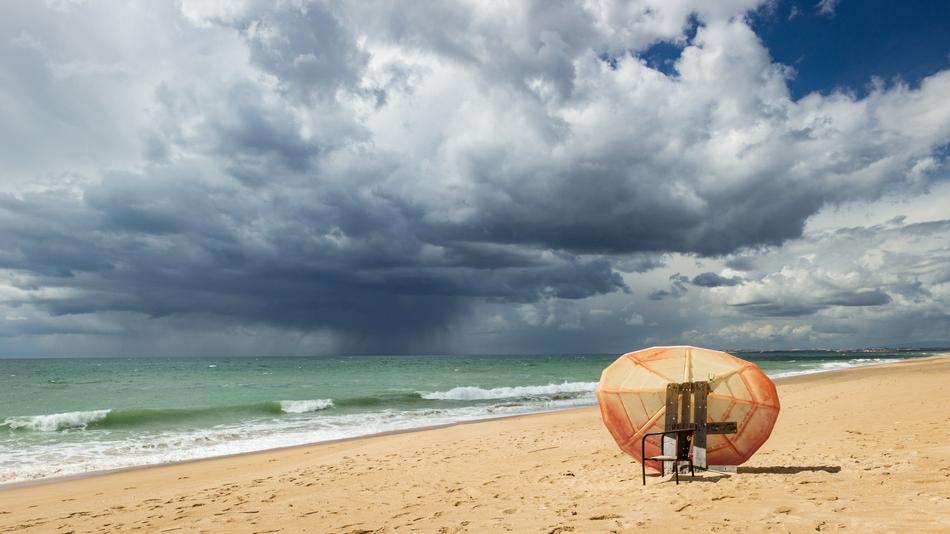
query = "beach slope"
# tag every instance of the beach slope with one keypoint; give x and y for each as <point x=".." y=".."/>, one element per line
<point x="862" y="449"/>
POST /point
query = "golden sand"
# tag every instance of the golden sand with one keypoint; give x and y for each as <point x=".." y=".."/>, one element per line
<point x="865" y="449"/>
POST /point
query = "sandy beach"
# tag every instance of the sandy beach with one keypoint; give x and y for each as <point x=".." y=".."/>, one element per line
<point x="864" y="449"/>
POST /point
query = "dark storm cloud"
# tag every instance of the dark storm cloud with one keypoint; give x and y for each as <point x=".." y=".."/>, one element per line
<point x="677" y="288"/>
<point x="175" y="246"/>
<point x="868" y="297"/>
<point x="627" y="213"/>
<point x="803" y="305"/>
<point x="710" y="279"/>
<point x="638" y="263"/>
<point x="42" y="235"/>
<point x="259" y="140"/>
<point x="777" y="309"/>
<point x="741" y="263"/>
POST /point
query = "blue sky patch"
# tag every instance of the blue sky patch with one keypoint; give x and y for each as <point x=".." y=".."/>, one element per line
<point x="905" y="41"/>
<point x="663" y="55"/>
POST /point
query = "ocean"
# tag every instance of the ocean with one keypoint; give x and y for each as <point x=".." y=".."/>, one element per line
<point x="69" y="416"/>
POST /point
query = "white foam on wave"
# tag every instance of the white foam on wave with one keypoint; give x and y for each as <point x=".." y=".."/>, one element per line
<point x="810" y="368"/>
<point x="305" y="406"/>
<point x="856" y="362"/>
<point x="55" y="421"/>
<point x="24" y="459"/>
<point x="515" y="392"/>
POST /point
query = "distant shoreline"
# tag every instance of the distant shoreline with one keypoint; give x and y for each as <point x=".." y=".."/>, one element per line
<point x="867" y="350"/>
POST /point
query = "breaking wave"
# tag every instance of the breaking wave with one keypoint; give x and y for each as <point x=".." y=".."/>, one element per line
<point x="305" y="406"/>
<point x="556" y="391"/>
<point x="136" y="417"/>
<point x="55" y="421"/>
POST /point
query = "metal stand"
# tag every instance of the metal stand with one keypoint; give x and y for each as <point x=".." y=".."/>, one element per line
<point x="686" y="418"/>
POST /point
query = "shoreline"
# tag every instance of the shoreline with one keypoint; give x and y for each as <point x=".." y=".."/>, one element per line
<point x="790" y="379"/>
<point x="851" y="450"/>
<point x="106" y="472"/>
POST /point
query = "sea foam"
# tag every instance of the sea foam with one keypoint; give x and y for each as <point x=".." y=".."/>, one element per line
<point x="305" y="406"/>
<point x="515" y="392"/>
<point x="55" y="421"/>
<point x="809" y="368"/>
<point x="19" y="463"/>
<point x="856" y="362"/>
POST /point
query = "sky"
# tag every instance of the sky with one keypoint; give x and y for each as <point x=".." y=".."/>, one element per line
<point x="325" y="177"/>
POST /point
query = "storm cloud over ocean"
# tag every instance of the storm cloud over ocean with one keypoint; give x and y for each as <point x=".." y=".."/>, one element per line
<point x="308" y="177"/>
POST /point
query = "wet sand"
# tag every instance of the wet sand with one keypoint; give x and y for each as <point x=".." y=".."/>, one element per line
<point x="864" y="449"/>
